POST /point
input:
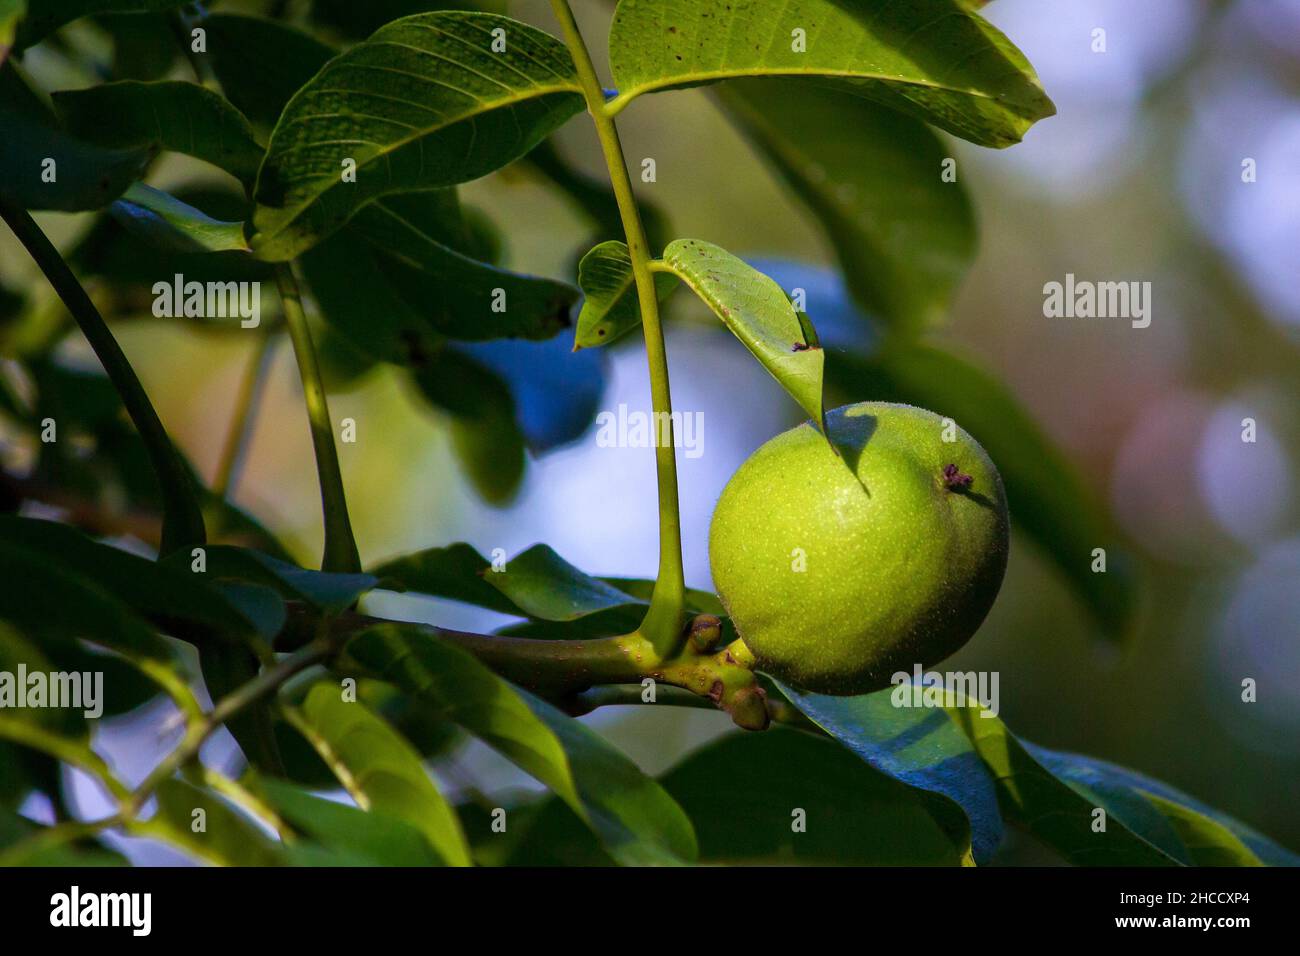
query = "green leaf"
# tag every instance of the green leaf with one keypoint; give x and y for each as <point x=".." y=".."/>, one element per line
<point x="422" y="104"/>
<point x="610" y="308"/>
<point x="326" y="591"/>
<point x="371" y="837"/>
<point x="872" y="177"/>
<point x="164" y="220"/>
<point x="485" y="436"/>
<point x="26" y="844"/>
<point x="40" y="595"/>
<point x="164" y="115"/>
<point x="758" y="313"/>
<point x="357" y="299"/>
<point x="933" y="58"/>
<point x="739" y="792"/>
<point x="51" y="14"/>
<point x="458" y="296"/>
<point x="1208" y="842"/>
<point x="382" y="771"/>
<point x="225" y="669"/>
<point x="1047" y="499"/>
<point x="86" y="176"/>
<point x="1203" y="833"/>
<point x="1054" y="812"/>
<point x="144" y="44"/>
<point x="227" y="837"/>
<point x="490" y="450"/>
<point x="918" y="746"/>
<point x="16" y="651"/>
<point x="260" y="63"/>
<point x="563" y="602"/>
<point x="543" y="585"/>
<point x="536" y="583"/>
<point x="158" y="590"/>
<point x="11" y="11"/>
<point x="358" y="21"/>
<point x="423" y="728"/>
<point x="636" y="821"/>
<point x="455" y="572"/>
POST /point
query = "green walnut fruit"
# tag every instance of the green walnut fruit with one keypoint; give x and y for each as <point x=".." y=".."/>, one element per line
<point x="840" y="570"/>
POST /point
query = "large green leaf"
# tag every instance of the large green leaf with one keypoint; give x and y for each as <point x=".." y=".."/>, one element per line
<point x="904" y="237"/>
<point x="158" y="590"/>
<point x="370" y="838"/>
<point x="1046" y="497"/>
<point x="40" y="595"/>
<point x="83" y="175"/>
<point x="936" y="59"/>
<point x="46" y="16"/>
<point x="758" y="313"/>
<point x="458" y="296"/>
<point x="954" y="748"/>
<point x="610" y="308"/>
<point x="1208" y="842"/>
<point x="1059" y="815"/>
<point x="543" y="585"/>
<point x="1208" y="837"/>
<point x="422" y="104"/>
<point x="536" y="583"/>
<point x="920" y="747"/>
<point x="744" y="793"/>
<point x="636" y="821"/>
<point x="741" y="792"/>
<point x="145" y="46"/>
<point x="327" y="591"/>
<point x="163" y="115"/>
<point x="260" y="63"/>
<point x="485" y="435"/>
<point x="381" y="770"/>
<point x="218" y="835"/>
<point x="357" y="299"/>
<point x="164" y="220"/>
<point x="455" y="572"/>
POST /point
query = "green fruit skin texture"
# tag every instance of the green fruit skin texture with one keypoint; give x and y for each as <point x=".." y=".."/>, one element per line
<point x="900" y="570"/>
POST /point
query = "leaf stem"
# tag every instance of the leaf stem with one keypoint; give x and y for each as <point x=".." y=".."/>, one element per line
<point x="340" y="546"/>
<point x="264" y="684"/>
<point x="251" y="386"/>
<point x="182" y="517"/>
<point x="662" y="625"/>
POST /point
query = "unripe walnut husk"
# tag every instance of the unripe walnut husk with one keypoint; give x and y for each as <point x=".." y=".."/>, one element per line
<point x="840" y="568"/>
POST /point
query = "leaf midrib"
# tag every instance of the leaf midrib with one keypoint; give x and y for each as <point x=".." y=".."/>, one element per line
<point x="680" y="80"/>
<point x="535" y="92"/>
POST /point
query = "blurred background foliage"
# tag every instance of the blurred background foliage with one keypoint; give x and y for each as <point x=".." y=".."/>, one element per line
<point x="1138" y="177"/>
